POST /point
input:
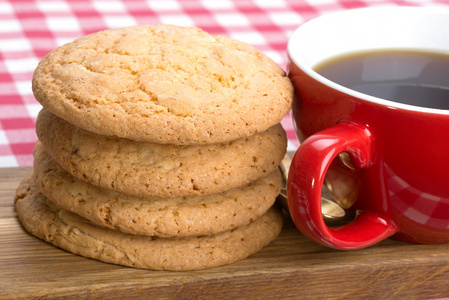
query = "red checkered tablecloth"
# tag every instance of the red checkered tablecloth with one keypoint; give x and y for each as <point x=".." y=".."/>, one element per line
<point x="30" y="29"/>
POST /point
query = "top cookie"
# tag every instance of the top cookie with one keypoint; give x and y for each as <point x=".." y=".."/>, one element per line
<point x="163" y="84"/>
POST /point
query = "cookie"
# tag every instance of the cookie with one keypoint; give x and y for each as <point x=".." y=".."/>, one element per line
<point x="154" y="216"/>
<point x="66" y="230"/>
<point x="164" y="84"/>
<point x="150" y="169"/>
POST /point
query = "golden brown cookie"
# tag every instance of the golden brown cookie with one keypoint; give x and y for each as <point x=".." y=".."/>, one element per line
<point x="155" y="216"/>
<point x="63" y="229"/>
<point x="149" y="169"/>
<point x="163" y="84"/>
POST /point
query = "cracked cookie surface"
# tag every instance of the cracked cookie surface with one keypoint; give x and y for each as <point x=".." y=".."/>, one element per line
<point x="150" y="169"/>
<point x="155" y="216"/>
<point x="43" y="219"/>
<point x="163" y="84"/>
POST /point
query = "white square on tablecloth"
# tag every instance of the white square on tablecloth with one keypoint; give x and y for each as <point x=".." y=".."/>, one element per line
<point x="217" y="4"/>
<point x="9" y="26"/>
<point x="180" y="20"/>
<point x="33" y="109"/>
<point x="61" y="24"/>
<point x="53" y="6"/>
<point x="21" y="65"/>
<point x="232" y="19"/>
<point x="250" y="37"/>
<point x="270" y="3"/>
<point x="322" y="2"/>
<point x="109" y="6"/>
<point x="3" y="138"/>
<point x="8" y="161"/>
<point x="285" y="18"/>
<point x="6" y="8"/>
<point x="119" y="21"/>
<point x="275" y="56"/>
<point x="15" y="45"/>
<point x="23" y="87"/>
<point x="163" y="5"/>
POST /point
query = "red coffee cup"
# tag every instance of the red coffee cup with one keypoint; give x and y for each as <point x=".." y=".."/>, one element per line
<point x="399" y="152"/>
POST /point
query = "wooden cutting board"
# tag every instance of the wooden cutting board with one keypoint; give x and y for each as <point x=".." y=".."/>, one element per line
<point x="290" y="267"/>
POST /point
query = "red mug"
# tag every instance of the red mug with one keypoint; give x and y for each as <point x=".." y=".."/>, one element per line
<point x="399" y="152"/>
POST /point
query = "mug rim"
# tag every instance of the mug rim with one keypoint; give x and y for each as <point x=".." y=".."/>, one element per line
<point x="384" y="102"/>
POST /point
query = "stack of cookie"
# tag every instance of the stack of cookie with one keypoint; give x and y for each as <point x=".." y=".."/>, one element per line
<point x="158" y="148"/>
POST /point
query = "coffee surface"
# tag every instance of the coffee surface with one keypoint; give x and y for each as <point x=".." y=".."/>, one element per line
<point x="412" y="77"/>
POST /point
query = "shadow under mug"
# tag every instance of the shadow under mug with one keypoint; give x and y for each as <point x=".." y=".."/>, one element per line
<point x="399" y="152"/>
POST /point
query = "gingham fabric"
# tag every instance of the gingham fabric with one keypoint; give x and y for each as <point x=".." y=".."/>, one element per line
<point x="30" y="29"/>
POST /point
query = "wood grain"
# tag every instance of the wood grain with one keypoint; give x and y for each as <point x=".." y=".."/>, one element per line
<point x="290" y="267"/>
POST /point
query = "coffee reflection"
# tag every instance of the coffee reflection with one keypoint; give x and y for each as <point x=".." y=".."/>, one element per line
<point x="406" y="76"/>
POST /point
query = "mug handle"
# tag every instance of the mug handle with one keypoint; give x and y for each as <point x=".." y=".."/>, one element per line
<point x="305" y="181"/>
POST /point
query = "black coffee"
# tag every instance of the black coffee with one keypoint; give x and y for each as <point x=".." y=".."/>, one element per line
<point x="411" y="77"/>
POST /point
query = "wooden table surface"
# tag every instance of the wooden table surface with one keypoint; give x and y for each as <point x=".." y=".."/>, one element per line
<point x="290" y="267"/>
